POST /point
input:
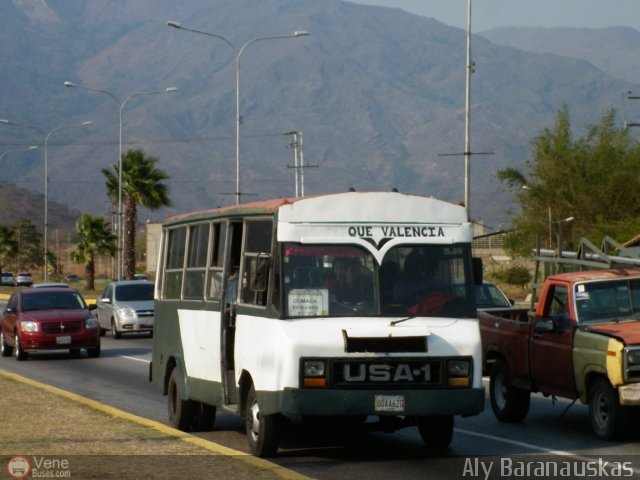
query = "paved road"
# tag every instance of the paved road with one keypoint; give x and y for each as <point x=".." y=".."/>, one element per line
<point x="120" y="378"/>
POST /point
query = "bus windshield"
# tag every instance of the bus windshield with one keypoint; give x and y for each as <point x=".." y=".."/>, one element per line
<point x="345" y="280"/>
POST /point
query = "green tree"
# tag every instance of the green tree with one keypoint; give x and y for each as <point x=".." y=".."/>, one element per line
<point x="96" y="238"/>
<point x="29" y="240"/>
<point x="590" y="179"/>
<point x="8" y="245"/>
<point x="142" y="184"/>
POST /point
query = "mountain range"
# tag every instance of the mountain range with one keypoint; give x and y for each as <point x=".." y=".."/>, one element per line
<point x="378" y="94"/>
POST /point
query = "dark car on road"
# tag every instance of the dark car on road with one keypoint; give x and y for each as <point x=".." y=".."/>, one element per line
<point x="48" y="319"/>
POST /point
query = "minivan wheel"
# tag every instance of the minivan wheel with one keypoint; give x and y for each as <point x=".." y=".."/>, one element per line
<point x="5" y="350"/>
<point x="18" y="352"/>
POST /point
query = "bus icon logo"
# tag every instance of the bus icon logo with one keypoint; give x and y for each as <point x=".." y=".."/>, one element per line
<point x="18" y="467"/>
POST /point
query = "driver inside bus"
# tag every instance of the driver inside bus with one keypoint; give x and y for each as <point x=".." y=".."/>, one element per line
<point x="420" y="287"/>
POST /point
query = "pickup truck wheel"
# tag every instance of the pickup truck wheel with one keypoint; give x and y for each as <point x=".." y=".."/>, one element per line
<point x="436" y="431"/>
<point x="509" y="404"/>
<point x="608" y="419"/>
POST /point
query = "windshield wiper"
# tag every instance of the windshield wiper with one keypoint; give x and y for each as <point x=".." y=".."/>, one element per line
<point x="396" y="322"/>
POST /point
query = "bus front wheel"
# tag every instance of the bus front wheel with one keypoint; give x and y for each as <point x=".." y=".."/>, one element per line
<point x="181" y="411"/>
<point x="436" y="431"/>
<point x="263" y="431"/>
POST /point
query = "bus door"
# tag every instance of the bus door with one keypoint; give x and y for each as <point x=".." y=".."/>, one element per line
<point x="230" y="299"/>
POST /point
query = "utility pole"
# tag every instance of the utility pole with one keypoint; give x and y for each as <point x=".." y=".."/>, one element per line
<point x="298" y="162"/>
<point x="467" y="119"/>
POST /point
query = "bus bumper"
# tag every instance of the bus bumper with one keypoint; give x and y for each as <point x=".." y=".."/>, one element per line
<point x="464" y="402"/>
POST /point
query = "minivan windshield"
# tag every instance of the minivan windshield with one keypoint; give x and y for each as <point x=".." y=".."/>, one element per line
<point x="346" y="280"/>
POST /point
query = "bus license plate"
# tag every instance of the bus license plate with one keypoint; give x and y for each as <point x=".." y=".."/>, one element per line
<point x="66" y="340"/>
<point x="389" y="403"/>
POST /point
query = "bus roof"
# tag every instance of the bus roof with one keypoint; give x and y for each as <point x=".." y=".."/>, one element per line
<point x="378" y="206"/>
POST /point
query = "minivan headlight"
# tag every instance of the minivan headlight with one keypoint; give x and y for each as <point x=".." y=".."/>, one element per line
<point x="91" y="323"/>
<point x="29" y="326"/>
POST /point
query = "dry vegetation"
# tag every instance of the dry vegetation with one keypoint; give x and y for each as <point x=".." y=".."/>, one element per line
<point x="38" y="423"/>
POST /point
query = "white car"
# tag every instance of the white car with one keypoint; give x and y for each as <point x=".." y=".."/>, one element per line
<point x="126" y="306"/>
<point x="7" y="278"/>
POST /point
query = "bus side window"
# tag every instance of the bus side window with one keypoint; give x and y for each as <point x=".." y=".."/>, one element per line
<point x="174" y="263"/>
<point x="193" y="288"/>
<point x="216" y="263"/>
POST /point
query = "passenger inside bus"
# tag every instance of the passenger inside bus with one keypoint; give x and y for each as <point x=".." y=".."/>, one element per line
<point x="353" y="286"/>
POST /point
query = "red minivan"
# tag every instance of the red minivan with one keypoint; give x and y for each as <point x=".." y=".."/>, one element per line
<point x="48" y="319"/>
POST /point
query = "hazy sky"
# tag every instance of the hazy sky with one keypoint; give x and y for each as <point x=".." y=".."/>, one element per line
<point x="516" y="13"/>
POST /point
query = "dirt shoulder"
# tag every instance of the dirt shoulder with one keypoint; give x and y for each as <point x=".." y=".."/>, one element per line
<point x="64" y="435"/>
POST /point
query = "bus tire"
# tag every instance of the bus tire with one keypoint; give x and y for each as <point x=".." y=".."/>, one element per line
<point x="263" y="431"/>
<point x="436" y="431"/>
<point x="205" y="418"/>
<point x="509" y="403"/>
<point x="181" y="411"/>
<point x="609" y="420"/>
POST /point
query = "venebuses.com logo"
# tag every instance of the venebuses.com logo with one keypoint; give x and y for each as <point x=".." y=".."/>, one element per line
<point x="18" y="467"/>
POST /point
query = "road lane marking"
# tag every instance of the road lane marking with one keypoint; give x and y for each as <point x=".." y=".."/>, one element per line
<point x="135" y="358"/>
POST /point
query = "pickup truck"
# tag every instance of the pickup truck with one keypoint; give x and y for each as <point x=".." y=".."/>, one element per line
<point x="581" y="342"/>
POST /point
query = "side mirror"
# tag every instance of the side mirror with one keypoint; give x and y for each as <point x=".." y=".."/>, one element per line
<point x="477" y="270"/>
<point x="545" y="325"/>
<point x="105" y="300"/>
<point x="259" y="276"/>
<point x="92" y="306"/>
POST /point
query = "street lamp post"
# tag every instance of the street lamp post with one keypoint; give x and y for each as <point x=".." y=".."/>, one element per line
<point x="32" y="147"/>
<point x="238" y="54"/>
<point x="46" y="192"/>
<point x="45" y="137"/>
<point x="121" y="103"/>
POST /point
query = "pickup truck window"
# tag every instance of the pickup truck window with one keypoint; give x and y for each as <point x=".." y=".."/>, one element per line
<point x="608" y="301"/>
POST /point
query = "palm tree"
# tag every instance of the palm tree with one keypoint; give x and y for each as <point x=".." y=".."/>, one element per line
<point x="96" y="238"/>
<point x="8" y="245"/>
<point x="141" y="185"/>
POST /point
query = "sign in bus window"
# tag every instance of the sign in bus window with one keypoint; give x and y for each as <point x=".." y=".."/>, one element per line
<point x="308" y="302"/>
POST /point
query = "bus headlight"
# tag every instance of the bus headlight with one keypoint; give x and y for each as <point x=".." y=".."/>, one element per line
<point x="458" y="372"/>
<point x="314" y="373"/>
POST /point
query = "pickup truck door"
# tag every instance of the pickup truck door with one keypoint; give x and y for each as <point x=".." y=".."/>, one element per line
<point x="552" y="351"/>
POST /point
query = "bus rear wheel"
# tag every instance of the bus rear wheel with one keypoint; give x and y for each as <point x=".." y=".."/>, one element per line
<point x="263" y="431"/>
<point x="181" y="411"/>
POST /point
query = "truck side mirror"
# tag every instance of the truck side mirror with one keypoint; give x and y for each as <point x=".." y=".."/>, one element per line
<point x="545" y="325"/>
<point x="477" y="270"/>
